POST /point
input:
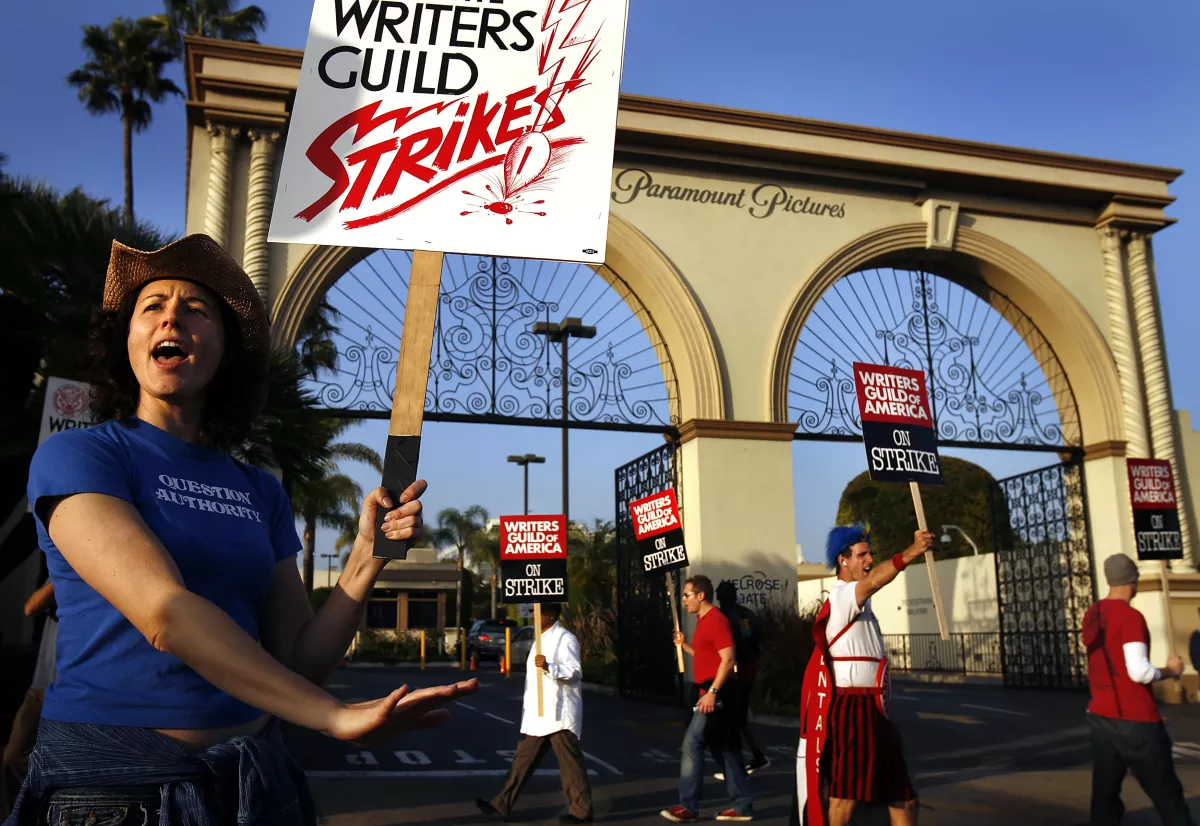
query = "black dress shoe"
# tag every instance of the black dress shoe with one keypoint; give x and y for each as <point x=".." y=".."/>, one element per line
<point x="489" y="810"/>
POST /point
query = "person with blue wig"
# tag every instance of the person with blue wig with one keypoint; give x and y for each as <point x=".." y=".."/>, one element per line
<point x="844" y="714"/>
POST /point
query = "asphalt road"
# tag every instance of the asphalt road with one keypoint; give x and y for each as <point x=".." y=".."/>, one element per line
<point x="978" y="755"/>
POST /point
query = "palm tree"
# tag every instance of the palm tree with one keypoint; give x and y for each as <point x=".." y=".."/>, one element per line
<point x="315" y="345"/>
<point x="331" y="500"/>
<point x="457" y="529"/>
<point x="56" y="249"/>
<point x="592" y="562"/>
<point x="208" y="18"/>
<point x="123" y="74"/>
<point x="484" y="549"/>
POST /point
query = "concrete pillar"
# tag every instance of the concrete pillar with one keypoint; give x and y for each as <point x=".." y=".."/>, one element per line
<point x="1159" y="408"/>
<point x="216" y="208"/>
<point x="738" y="508"/>
<point x="259" y="197"/>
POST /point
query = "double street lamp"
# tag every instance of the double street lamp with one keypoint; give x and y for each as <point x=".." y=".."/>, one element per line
<point x="562" y="333"/>
<point x="525" y="461"/>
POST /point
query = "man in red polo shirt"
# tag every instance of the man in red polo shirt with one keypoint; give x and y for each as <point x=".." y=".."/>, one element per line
<point x="712" y="720"/>
<point x="1127" y="733"/>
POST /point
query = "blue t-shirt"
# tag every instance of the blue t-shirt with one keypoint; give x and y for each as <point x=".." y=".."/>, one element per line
<point x="226" y="525"/>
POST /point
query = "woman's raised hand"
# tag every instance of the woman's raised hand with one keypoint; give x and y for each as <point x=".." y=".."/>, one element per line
<point x="403" y="522"/>
<point x="378" y="721"/>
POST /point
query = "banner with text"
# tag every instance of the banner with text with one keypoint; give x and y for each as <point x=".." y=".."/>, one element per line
<point x="897" y="427"/>
<point x="533" y="559"/>
<point x="461" y="127"/>
<point x="659" y="533"/>
<point x="1155" y="510"/>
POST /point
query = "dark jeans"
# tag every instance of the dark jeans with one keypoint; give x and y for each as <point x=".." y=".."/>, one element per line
<point x="15" y="763"/>
<point x="530" y="752"/>
<point x="138" y="806"/>
<point x="1143" y="749"/>
<point x="691" y="770"/>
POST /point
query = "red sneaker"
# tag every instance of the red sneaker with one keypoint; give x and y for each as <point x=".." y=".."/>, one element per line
<point x="731" y="814"/>
<point x="680" y="814"/>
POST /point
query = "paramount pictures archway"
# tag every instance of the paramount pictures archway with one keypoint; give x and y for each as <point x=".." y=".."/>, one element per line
<point x="729" y="227"/>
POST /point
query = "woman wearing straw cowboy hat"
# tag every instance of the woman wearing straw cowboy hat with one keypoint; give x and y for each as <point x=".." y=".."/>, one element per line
<point x="185" y="632"/>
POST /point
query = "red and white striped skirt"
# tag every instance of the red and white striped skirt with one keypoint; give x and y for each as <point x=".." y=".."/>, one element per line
<point x="865" y="753"/>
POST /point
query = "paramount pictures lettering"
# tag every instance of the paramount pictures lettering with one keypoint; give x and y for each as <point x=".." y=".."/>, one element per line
<point x="762" y="201"/>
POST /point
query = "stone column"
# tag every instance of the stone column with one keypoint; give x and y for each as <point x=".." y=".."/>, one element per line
<point x="1121" y="342"/>
<point x="1159" y="407"/>
<point x="739" y="516"/>
<point x="220" y="167"/>
<point x="259" y="196"/>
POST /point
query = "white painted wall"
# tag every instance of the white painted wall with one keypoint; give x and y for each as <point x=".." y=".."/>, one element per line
<point x="906" y="605"/>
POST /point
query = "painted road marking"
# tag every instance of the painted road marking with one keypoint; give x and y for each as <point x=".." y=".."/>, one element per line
<point x="413" y="758"/>
<point x="908" y="699"/>
<point x="961" y="719"/>
<point x="659" y="756"/>
<point x="602" y="764"/>
<point x="464" y="705"/>
<point x="998" y="710"/>
<point x="498" y="717"/>
<point x="465" y="759"/>
<point x="363" y="758"/>
<point x="1186" y="749"/>
<point x="344" y="774"/>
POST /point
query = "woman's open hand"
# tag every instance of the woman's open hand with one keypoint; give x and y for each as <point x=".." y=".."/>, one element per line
<point x="379" y="721"/>
<point x="403" y="522"/>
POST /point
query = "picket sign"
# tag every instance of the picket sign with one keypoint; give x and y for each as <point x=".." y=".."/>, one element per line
<point x="1156" y="529"/>
<point x="491" y="134"/>
<point x="901" y="443"/>
<point x="659" y="532"/>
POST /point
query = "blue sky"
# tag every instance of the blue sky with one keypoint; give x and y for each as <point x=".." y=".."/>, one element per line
<point x="1100" y="78"/>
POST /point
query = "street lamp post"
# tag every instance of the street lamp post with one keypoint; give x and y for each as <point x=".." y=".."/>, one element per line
<point x="525" y="461"/>
<point x="328" y="569"/>
<point x="563" y="332"/>
<point x="946" y="537"/>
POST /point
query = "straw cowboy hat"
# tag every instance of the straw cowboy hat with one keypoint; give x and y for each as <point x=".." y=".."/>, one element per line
<point x="200" y="259"/>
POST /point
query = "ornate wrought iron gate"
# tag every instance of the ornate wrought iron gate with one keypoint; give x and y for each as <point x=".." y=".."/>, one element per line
<point x="645" y="657"/>
<point x="1044" y="576"/>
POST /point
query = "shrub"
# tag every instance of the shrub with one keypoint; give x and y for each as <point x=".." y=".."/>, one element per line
<point x="596" y="630"/>
<point x="400" y="646"/>
<point x="787" y="644"/>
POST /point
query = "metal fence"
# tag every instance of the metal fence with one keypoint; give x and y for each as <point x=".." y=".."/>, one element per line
<point x="968" y="654"/>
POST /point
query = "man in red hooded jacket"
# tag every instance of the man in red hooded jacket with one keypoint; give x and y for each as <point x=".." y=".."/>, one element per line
<point x="1127" y="732"/>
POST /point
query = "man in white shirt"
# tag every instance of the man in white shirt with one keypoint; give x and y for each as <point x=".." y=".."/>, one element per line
<point x="846" y="735"/>
<point x="560" y="727"/>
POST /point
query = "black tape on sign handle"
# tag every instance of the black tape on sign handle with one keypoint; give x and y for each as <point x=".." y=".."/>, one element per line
<point x="399" y="471"/>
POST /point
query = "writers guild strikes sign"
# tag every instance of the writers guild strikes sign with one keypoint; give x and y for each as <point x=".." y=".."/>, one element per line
<point x="659" y="533"/>
<point x="897" y="426"/>
<point x="461" y="126"/>
<point x="1155" y="510"/>
<point x="533" y="559"/>
<point x="67" y="407"/>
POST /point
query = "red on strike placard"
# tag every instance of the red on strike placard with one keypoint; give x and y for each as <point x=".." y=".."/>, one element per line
<point x="655" y="514"/>
<point x="533" y="537"/>
<point x="892" y="394"/>
<point x="1151" y="485"/>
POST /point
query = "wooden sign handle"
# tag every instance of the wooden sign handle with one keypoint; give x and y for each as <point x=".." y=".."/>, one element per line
<point x="919" y="506"/>
<point x="675" y="617"/>
<point x="537" y="649"/>
<point x="408" y="401"/>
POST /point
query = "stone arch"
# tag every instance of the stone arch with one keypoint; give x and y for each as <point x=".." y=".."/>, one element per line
<point x="632" y="260"/>
<point x="1076" y="340"/>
